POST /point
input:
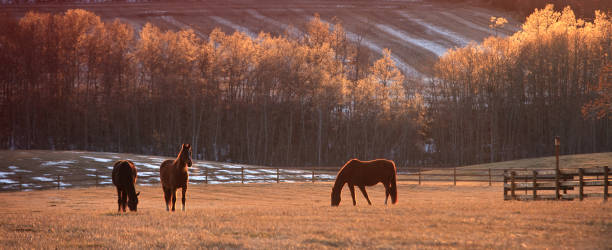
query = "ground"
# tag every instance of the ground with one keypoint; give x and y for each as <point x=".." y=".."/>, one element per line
<point x="299" y="215"/>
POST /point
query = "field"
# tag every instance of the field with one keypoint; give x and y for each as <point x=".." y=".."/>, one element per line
<point x="416" y="31"/>
<point x="298" y="215"/>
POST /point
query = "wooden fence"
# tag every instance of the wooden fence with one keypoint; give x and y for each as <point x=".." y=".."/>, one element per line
<point x="453" y="175"/>
<point x="534" y="182"/>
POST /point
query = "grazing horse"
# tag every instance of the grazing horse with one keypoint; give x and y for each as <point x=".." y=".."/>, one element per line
<point x="124" y="178"/>
<point x="366" y="173"/>
<point x="174" y="175"/>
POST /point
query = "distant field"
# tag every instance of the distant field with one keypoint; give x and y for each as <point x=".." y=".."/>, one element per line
<point x="298" y="215"/>
<point x="38" y="169"/>
<point x="565" y="161"/>
<point x="416" y="31"/>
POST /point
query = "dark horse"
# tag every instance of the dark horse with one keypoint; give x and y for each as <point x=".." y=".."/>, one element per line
<point x="366" y="173"/>
<point x="174" y="175"/>
<point x="124" y="178"/>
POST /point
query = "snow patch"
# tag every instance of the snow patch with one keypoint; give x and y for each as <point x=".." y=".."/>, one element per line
<point x="147" y="165"/>
<point x="234" y="26"/>
<point x="227" y="171"/>
<point x="40" y="178"/>
<point x="452" y="36"/>
<point x="146" y="174"/>
<point x="5" y="174"/>
<point x="179" y="24"/>
<point x="232" y="166"/>
<point x="292" y="30"/>
<point x="7" y="181"/>
<point x="204" y="165"/>
<point x="52" y="163"/>
<point x="268" y="170"/>
<point x="468" y="23"/>
<point x="97" y="159"/>
<point x="437" y="49"/>
<point x="17" y="170"/>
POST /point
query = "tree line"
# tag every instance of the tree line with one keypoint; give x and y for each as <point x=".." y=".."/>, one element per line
<point x="508" y="97"/>
<point x="72" y="81"/>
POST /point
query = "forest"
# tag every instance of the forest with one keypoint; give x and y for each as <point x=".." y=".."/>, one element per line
<point x="73" y="81"/>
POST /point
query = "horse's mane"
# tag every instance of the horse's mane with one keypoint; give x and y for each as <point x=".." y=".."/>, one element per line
<point x="179" y="158"/>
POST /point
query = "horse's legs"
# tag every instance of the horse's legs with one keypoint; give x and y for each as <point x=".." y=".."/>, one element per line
<point x="167" y="197"/>
<point x="387" y="191"/>
<point x="118" y="199"/>
<point x="184" y="191"/>
<point x="352" y="188"/>
<point x="173" y="192"/>
<point x="365" y="194"/>
<point x="123" y="200"/>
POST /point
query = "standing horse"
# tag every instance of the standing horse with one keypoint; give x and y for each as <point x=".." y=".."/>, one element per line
<point x="174" y="175"/>
<point x="366" y="173"/>
<point x="124" y="178"/>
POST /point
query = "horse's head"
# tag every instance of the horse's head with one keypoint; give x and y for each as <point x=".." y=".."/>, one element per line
<point x="335" y="197"/>
<point x="133" y="202"/>
<point x="186" y="154"/>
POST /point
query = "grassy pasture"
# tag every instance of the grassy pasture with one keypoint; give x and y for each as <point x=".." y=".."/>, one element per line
<point x="298" y="215"/>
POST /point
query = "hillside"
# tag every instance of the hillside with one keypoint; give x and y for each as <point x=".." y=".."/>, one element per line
<point x="565" y="161"/>
<point x="39" y="169"/>
<point x="417" y="32"/>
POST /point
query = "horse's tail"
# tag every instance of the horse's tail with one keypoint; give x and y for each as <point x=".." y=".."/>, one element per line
<point x="393" y="189"/>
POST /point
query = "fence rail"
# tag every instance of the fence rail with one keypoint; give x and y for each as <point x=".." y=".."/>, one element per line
<point x="560" y="181"/>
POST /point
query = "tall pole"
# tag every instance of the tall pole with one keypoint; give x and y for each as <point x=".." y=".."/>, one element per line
<point x="557" y="144"/>
<point x="557" y="186"/>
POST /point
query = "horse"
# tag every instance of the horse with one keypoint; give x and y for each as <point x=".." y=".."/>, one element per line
<point x="366" y="173"/>
<point x="174" y="175"/>
<point x="124" y="178"/>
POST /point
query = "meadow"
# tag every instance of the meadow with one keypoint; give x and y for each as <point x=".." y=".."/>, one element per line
<point x="299" y="215"/>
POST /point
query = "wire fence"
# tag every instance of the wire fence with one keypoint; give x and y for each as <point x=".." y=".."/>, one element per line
<point x="256" y="175"/>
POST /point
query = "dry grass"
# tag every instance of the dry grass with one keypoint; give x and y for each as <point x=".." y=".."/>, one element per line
<point x="299" y="216"/>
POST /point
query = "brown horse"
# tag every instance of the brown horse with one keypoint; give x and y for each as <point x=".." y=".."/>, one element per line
<point x="174" y="175"/>
<point x="124" y="178"/>
<point x="366" y="173"/>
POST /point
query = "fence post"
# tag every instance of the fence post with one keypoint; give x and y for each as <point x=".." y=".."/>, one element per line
<point x="505" y="182"/>
<point x="581" y="183"/>
<point x="606" y="183"/>
<point x="277" y="175"/>
<point x="557" y="187"/>
<point x="20" y="185"/>
<point x="535" y="184"/>
<point x="313" y="175"/>
<point x="242" y="174"/>
<point x="512" y="185"/>
<point x="206" y="175"/>
<point x="455" y="176"/>
<point x="419" y="176"/>
<point x="58" y="182"/>
<point x="96" y="177"/>
<point x="489" y="176"/>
